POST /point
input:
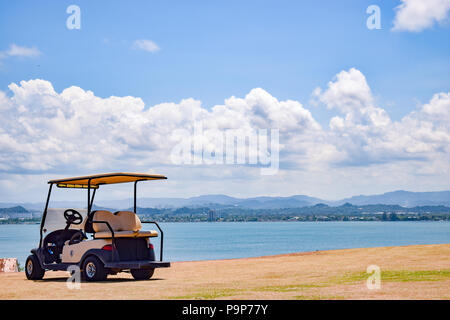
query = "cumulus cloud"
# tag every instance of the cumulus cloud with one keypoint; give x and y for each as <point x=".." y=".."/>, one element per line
<point x="364" y="134"/>
<point x="146" y="45"/>
<point x="417" y="15"/>
<point x="74" y="131"/>
<point x="42" y="130"/>
<point x="349" y="91"/>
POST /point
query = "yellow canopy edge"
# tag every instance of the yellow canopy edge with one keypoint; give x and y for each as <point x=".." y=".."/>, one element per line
<point x="105" y="178"/>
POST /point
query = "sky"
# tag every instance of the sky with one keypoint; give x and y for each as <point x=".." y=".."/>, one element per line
<point x="358" y="110"/>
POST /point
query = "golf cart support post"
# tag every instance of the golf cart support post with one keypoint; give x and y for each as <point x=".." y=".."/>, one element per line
<point x="93" y="182"/>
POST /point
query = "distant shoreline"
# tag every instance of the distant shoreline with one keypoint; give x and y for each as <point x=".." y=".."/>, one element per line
<point x="256" y="221"/>
<point x="319" y="212"/>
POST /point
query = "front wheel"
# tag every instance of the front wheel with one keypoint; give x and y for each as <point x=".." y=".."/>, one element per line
<point x="33" y="269"/>
<point x="142" y="274"/>
<point x="93" y="269"/>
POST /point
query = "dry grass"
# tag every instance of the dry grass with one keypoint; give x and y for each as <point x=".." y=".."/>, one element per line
<point x="411" y="272"/>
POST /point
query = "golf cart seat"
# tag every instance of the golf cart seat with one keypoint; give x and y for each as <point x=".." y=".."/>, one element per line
<point x="125" y="224"/>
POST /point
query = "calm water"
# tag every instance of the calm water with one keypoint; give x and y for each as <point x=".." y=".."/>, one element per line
<point x="199" y="241"/>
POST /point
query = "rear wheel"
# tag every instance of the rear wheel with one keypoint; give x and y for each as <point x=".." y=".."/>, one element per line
<point x="142" y="274"/>
<point x="93" y="269"/>
<point x="33" y="269"/>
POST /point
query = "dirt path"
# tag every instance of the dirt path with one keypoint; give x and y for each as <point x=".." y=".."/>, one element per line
<point x="411" y="272"/>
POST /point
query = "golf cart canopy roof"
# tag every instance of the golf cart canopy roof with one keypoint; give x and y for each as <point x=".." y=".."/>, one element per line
<point x="106" y="178"/>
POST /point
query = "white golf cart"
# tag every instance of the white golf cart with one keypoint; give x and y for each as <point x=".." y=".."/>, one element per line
<point x="116" y="241"/>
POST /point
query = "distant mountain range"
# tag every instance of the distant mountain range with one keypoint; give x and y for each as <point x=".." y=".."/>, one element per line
<point x="16" y="209"/>
<point x="15" y="212"/>
<point x="401" y="198"/>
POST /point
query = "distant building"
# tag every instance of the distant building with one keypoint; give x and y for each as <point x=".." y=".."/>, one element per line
<point x="211" y="217"/>
<point x="21" y="215"/>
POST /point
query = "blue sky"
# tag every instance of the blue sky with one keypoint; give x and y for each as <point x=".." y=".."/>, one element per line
<point x="212" y="50"/>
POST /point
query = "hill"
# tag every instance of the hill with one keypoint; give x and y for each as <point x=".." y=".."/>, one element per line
<point x="215" y="201"/>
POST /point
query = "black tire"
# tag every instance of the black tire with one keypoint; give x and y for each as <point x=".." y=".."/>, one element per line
<point x="93" y="269"/>
<point x="33" y="269"/>
<point x="142" y="274"/>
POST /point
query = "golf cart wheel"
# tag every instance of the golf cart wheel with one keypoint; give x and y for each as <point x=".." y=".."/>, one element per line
<point x="93" y="269"/>
<point x="142" y="274"/>
<point x="33" y="269"/>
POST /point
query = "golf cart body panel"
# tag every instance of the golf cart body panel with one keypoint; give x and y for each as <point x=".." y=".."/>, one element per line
<point x="73" y="253"/>
<point x="117" y="242"/>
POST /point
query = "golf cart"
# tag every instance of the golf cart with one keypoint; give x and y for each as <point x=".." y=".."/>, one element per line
<point x="116" y="242"/>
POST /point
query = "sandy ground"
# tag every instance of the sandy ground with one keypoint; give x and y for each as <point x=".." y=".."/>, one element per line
<point x="410" y="272"/>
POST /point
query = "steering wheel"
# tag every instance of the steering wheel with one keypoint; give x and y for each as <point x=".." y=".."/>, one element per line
<point x="73" y="217"/>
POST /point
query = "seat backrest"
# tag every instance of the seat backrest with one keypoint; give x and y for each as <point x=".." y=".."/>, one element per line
<point x="119" y="221"/>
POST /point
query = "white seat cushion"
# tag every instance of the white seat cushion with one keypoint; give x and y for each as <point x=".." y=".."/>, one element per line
<point x="121" y="221"/>
<point x="126" y="224"/>
<point x="126" y="234"/>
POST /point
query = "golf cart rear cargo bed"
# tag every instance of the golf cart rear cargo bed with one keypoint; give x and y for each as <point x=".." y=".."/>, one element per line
<point x="137" y="264"/>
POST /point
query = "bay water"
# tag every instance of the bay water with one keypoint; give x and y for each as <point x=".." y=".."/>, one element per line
<point x="227" y="240"/>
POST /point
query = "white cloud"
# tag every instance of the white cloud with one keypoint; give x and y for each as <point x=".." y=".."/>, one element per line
<point x="348" y="92"/>
<point x="366" y="135"/>
<point x="146" y="45"/>
<point x="42" y="130"/>
<point x="417" y="15"/>
<point x="19" y="51"/>
<point x="74" y="132"/>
